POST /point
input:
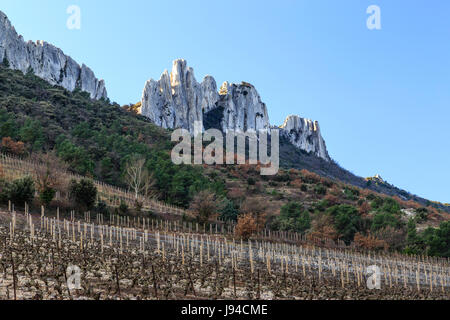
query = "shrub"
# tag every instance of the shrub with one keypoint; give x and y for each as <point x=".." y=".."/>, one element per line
<point x="204" y="206"/>
<point x="310" y="177"/>
<point x="228" y="212"/>
<point x="21" y="191"/>
<point x="46" y="196"/>
<point x="332" y="200"/>
<point x="351" y="194"/>
<point x="4" y="191"/>
<point x="10" y="146"/>
<point x="293" y="217"/>
<point x="246" y="226"/>
<point x="102" y="208"/>
<point x="346" y="221"/>
<point x="382" y="220"/>
<point x="370" y="242"/>
<point x="320" y="189"/>
<point x="364" y="208"/>
<point x="421" y="215"/>
<point x="390" y="206"/>
<point x="437" y="241"/>
<point x="257" y="208"/>
<point x="83" y="193"/>
<point x="123" y="208"/>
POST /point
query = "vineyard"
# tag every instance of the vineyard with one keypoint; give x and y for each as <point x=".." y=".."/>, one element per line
<point x="153" y="259"/>
<point x="15" y="168"/>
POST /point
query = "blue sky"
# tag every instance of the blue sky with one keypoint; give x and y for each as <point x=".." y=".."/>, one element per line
<point x="382" y="97"/>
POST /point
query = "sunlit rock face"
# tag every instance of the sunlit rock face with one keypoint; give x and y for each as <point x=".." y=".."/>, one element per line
<point x="177" y="100"/>
<point x="305" y="135"/>
<point x="47" y="62"/>
<point x="243" y="108"/>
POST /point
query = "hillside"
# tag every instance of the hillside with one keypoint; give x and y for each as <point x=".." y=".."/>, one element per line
<point x="98" y="138"/>
<point x="291" y="157"/>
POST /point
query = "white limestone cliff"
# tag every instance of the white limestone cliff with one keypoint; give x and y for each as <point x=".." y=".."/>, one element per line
<point x="305" y="134"/>
<point x="47" y="62"/>
<point x="243" y="108"/>
<point x="176" y="100"/>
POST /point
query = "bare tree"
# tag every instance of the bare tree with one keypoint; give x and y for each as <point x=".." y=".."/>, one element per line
<point x="138" y="178"/>
<point x="49" y="172"/>
<point x="256" y="207"/>
<point x="204" y="206"/>
<point x="49" y="175"/>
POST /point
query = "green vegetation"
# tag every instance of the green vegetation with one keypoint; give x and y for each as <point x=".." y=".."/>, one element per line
<point x="19" y="191"/>
<point x="432" y="241"/>
<point x="293" y="217"/>
<point x="347" y="221"/>
<point x="83" y="193"/>
<point x="95" y="138"/>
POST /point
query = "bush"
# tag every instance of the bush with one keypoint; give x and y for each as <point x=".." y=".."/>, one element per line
<point x="437" y="241"/>
<point x="228" y="212"/>
<point x="46" y="196"/>
<point x="421" y="215"/>
<point x="351" y="194"/>
<point x="123" y="208"/>
<point x="382" y="220"/>
<point x="293" y="217"/>
<point x="21" y="191"/>
<point x="246" y="226"/>
<point x="320" y="189"/>
<point x="83" y="193"/>
<point x="346" y="221"/>
<point x="390" y="206"/>
<point x="4" y="191"/>
<point x="204" y="206"/>
<point x="102" y="208"/>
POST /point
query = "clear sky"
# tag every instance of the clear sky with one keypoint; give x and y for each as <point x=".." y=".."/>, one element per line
<point x="382" y="97"/>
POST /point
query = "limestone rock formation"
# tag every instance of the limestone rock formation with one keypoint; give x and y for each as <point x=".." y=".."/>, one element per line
<point x="243" y="108"/>
<point x="305" y="134"/>
<point x="176" y="100"/>
<point x="47" y="62"/>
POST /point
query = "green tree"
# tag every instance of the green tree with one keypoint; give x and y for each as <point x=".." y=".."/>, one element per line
<point x="5" y="61"/>
<point x="21" y="191"/>
<point x="228" y="211"/>
<point x="46" y="196"/>
<point x="437" y="241"/>
<point x="347" y="221"/>
<point x="390" y="206"/>
<point x="384" y="219"/>
<point x="83" y="193"/>
<point x="293" y="217"/>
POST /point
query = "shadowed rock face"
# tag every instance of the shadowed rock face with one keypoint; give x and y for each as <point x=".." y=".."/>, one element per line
<point x="176" y="100"/>
<point x="47" y="62"/>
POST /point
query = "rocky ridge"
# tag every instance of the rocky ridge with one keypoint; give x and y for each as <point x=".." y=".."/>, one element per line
<point x="47" y="62"/>
<point x="176" y="100"/>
